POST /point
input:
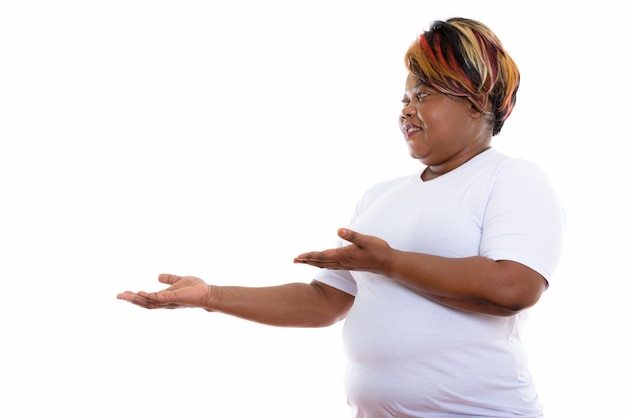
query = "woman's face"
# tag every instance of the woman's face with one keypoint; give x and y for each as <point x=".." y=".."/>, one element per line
<point x="441" y="131"/>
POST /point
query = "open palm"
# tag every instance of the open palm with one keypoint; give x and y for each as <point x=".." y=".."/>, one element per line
<point x="184" y="292"/>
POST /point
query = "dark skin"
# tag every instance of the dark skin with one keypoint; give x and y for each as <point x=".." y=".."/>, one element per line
<point x="289" y="305"/>
<point x="441" y="131"/>
<point x="473" y="284"/>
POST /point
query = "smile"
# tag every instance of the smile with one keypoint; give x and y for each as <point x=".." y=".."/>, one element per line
<point x="409" y="128"/>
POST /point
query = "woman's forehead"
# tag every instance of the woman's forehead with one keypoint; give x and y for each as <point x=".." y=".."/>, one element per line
<point x="412" y="82"/>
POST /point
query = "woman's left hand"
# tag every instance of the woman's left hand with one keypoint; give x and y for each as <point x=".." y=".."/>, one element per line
<point x="366" y="253"/>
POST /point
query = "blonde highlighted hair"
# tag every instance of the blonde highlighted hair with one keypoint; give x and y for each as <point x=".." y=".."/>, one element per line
<point x="463" y="57"/>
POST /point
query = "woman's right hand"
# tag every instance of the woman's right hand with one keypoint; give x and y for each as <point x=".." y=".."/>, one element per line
<point x="184" y="292"/>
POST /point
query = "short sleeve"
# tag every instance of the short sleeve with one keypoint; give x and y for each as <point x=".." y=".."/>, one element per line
<point x="339" y="279"/>
<point x="342" y="279"/>
<point x="524" y="220"/>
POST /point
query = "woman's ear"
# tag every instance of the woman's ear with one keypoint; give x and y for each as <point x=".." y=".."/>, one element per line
<point x="474" y="112"/>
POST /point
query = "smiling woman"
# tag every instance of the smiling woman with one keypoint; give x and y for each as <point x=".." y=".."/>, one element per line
<point x="437" y="270"/>
<point x="437" y="128"/>
<point x="465" y="67"/>
<point x="467" y="61"/>
<point x="220" y="139"/>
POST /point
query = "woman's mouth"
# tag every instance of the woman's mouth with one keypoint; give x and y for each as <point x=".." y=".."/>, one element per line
<point x="410" y="129"/>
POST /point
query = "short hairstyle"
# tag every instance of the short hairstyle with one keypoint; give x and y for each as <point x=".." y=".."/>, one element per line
<point x="463" y="57"/>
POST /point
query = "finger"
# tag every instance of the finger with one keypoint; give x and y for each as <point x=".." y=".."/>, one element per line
<point x="316" y="256"/>
<point x="303" y="257"/>
<point x="315" y="263"/>
<point x="323" y="259"/>
<point x="349" y="235"/>
<point x="127" y="295"/>
<point x="134" y="298"/>
<point x="168" y="278"/>
<point x="330" y="265"/>
<point x="153" y="300"/>
<point x="154" y="297"/>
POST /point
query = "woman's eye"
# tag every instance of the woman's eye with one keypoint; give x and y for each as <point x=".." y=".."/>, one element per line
<point x="420" y="96"/>
<point x="405" y="102"/>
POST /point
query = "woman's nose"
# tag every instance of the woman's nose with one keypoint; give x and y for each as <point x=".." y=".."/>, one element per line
<point x="407" y="112"/>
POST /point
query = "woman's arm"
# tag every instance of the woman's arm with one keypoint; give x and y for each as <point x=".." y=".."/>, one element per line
<point x="290" y="305"/>
<point x="475" y="284"/>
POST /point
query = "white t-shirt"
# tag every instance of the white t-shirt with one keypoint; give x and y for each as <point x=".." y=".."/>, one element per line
<point x="412" y="357"/>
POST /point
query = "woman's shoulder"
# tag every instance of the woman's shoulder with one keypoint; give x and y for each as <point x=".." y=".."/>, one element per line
<point x="504" y="164"/>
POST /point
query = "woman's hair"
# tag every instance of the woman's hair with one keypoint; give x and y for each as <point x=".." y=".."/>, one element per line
<point x="463" y="57"/>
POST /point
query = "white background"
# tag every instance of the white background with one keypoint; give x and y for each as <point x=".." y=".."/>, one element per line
<point x="221" y="139"/>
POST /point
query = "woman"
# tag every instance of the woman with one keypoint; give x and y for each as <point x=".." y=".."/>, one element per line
<point x="437" y="269"/>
